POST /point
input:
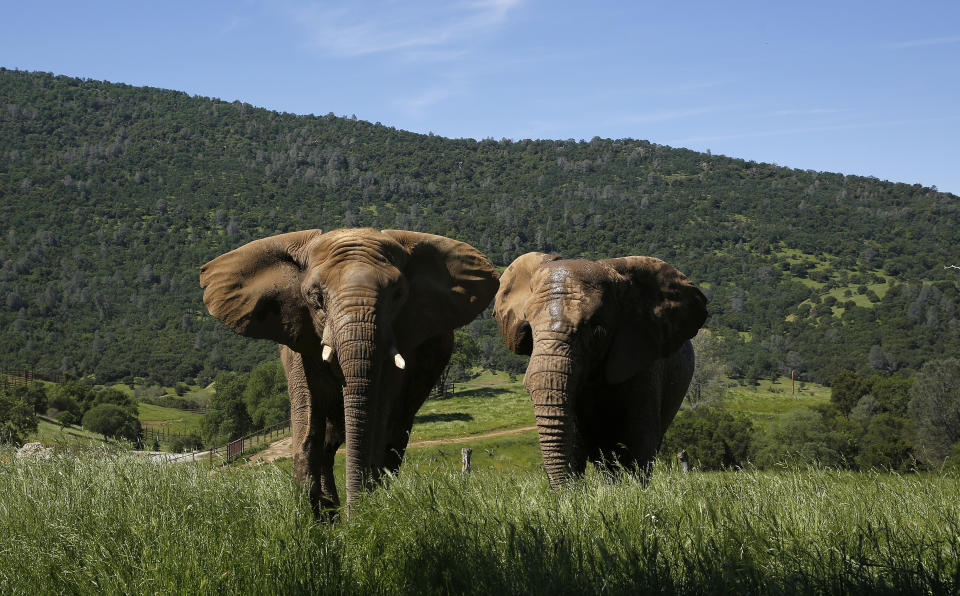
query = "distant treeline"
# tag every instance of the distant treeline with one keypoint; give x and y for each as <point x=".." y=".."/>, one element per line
<point x="112" y="197"/>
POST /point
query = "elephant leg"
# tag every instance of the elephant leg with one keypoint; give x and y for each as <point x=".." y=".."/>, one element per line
<point x="621" y="425"/>
<point x="315" y="438"/>
<point x="424" y="368"/>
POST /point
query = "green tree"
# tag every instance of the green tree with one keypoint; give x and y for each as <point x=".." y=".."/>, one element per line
<point x="227" y="417"/>
<point x="893" y="394"/>
<point x="112" y="421"/>
<point x="846" y="389"/>
<point x="115" y="397"/>
<point x="935" y="408"/>
<point x="884" y="445"/>
<point x="17" y="419"/>
<point x="714" y="439"/>
<point x="33" y="394"/>
<point x="68" y="393"/>
<point x="265" y="395"/>
<point x="465" y="356"/>
<point x="707" y="385"/>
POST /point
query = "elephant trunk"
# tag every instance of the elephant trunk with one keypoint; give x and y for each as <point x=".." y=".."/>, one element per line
<point x="357" y="353"/>
<point x="551" y="380"/>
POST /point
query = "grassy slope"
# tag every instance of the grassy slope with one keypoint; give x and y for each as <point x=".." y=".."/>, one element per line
<point x="169" y="419"/>
<point x="768" y="400"/>
<point x="50" y="433"/>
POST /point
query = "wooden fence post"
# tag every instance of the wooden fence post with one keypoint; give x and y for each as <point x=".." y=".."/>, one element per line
<point x="465" y="456"/>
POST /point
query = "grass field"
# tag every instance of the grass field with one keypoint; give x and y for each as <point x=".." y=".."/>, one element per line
<point x="487" y="403"/>
<point x="768" y="400"/>
<point x="116" y="524"/>
<point x="169" y="419"/>
<point x="50" y="433"/>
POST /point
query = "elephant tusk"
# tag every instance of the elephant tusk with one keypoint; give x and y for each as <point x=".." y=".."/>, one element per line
<point x="398" y="360"/>
<point x="327" y="354"/>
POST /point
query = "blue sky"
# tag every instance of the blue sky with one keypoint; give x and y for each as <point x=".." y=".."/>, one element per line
<point x="870" y="88"/>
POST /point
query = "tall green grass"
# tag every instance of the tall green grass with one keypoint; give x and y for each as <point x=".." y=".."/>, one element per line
<point x="116" y="524"/>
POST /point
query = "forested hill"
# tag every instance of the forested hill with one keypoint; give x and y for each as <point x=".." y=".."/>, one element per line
<point x="112" y="196"/>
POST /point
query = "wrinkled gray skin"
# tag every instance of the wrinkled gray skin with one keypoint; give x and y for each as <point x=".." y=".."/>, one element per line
<point x="343" y="305"/>
<point x="610" y="356"/>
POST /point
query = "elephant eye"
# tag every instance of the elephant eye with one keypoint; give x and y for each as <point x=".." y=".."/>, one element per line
<point x="314" y="297"/>
<point x="600" y="332"/>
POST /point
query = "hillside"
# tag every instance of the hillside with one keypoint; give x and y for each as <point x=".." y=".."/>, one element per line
<point x="112" y="196"/>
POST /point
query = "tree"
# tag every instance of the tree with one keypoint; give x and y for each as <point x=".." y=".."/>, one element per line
<point x="846" y="389"/>
<point x="33" y="394"/>
<point x="17" y="419"/>
<point x="115" y="397"/>
<point x="884" y="445"/>
<point x="265" y="395"/>
<point x="935" y="408"/>
<point x="707" y="385"/>
<point x="227" y="417"/>
<point x="714" y="439"/>
<point x="112" y="420"/>
<point x="68" y="393"/>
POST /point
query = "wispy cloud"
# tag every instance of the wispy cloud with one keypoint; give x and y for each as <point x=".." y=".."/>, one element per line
<point x="358" y="29"/>
<point x="807" y="112"/>
<point x="419" y="104"/>
<point x="932" y="41"/>
<point x="664" y="115"/>
<point x="232" y="25"/>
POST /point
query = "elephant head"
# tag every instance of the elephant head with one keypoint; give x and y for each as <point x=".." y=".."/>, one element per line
<point x="589" y="323"/>
<point x="356" y="300"/>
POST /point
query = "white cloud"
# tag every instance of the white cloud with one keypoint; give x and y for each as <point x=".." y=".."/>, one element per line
<point x="360" y="29"/>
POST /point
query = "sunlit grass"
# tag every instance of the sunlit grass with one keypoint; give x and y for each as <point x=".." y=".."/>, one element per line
<point x="95" y="524"/>
<point x="169" y="419"/>
<point x="767" y="400"/>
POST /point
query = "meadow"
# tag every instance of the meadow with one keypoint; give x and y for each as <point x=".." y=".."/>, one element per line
<point x="100" y="523"/>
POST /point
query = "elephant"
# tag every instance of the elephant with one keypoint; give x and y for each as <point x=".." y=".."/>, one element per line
<point x="365" y="320"/>
<point x="610" y="355"/>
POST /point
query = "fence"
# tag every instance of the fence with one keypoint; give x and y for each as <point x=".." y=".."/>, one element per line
<point x="158" y="432"/>
<point x="238" y="447"/>
<point x="17" y="378"/>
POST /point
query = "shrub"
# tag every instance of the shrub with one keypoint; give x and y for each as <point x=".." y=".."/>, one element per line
<point x="112" y="421"/>
<point x="66" y="418"/>
<point x="715" y="439"/>
<point x="17" y="419"/>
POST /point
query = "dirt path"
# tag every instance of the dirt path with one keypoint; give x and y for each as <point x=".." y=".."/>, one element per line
<point x="284" y="447"/>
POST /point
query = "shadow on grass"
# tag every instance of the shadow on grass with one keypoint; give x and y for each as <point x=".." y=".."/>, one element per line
<point x="481" y="392"/>
<point x="454" y="416"/>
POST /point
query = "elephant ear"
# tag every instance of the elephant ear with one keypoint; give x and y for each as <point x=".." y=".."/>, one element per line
<point x="512" y="299"/>
<point x="255" y="290"/>
<point x="450" y="283"/>
<point x="661" y="311"/>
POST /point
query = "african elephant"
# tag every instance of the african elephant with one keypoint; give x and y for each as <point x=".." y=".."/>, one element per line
<point x="365" y="320"/>
<point x="610" y="356"/>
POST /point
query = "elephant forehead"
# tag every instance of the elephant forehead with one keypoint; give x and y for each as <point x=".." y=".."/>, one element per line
<point x="570" y="291"/>
<point x="571" y="275"/>
<point x="358" y="245"/>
